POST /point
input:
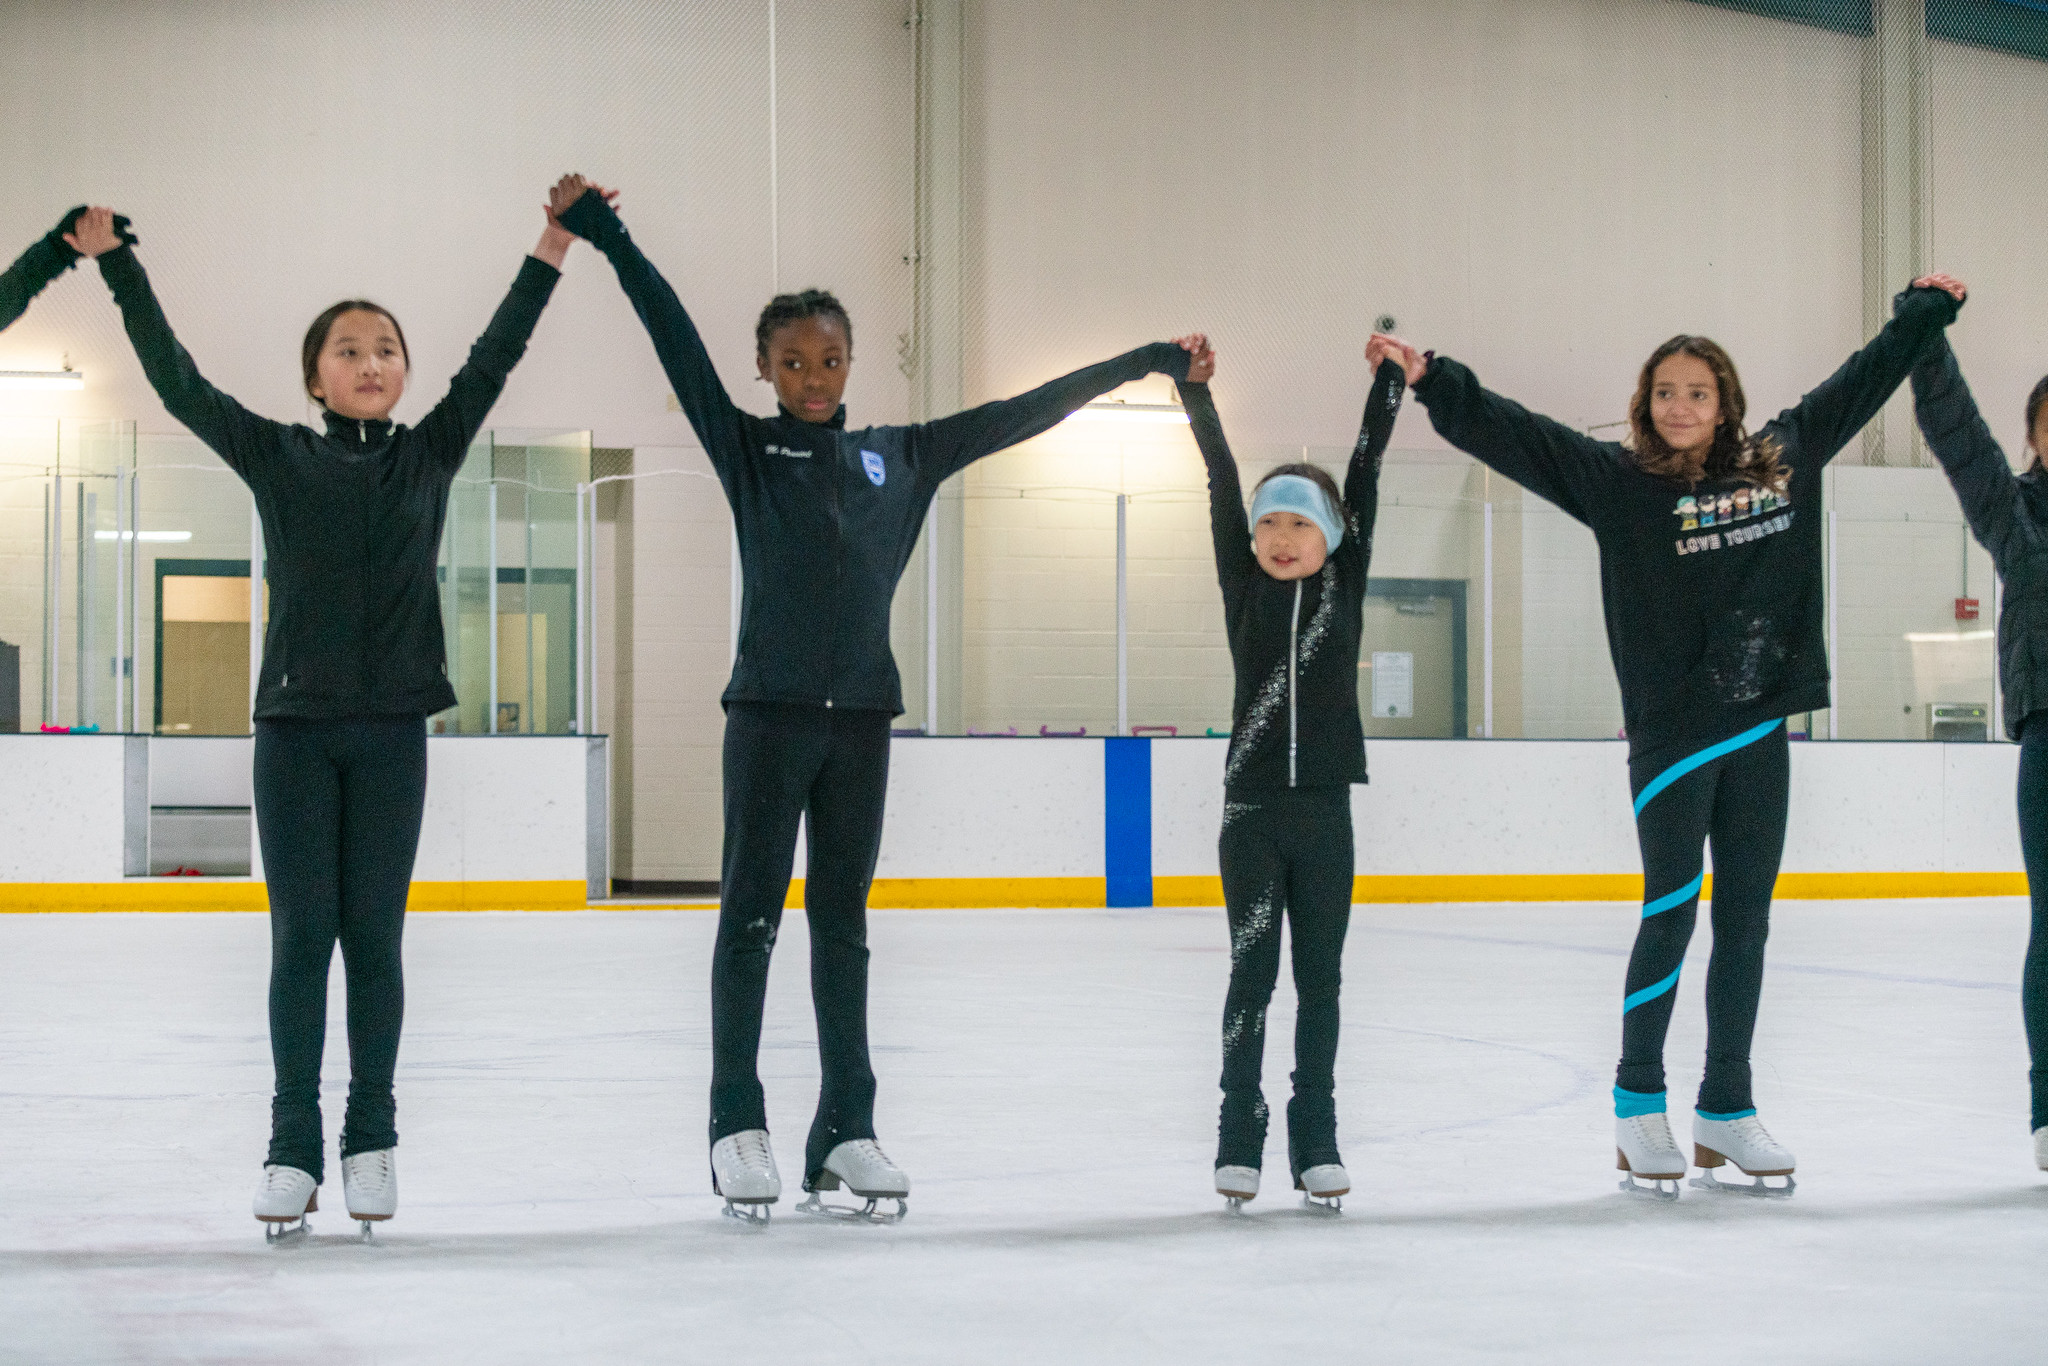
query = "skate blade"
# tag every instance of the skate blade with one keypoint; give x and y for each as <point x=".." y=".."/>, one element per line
<point x="749" y="1211"/>
<point x="1756" y="1185"/>
<point x="1322" y="1204"/>
<point x="1233" y="1204"/>
<point x="1660" y="1187"/>
<point x="870" y="1213"/>
<point x="277" y="1231"/>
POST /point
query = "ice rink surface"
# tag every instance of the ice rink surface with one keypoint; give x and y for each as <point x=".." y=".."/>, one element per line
<point x="1048" y="1080"/>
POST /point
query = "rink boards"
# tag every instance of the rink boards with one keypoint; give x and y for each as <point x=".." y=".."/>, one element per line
<point x="520" y="823"/>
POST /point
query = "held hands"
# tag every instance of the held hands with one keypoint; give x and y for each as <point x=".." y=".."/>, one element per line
<point x="1201" y="357"/>
<point x="556" y="239"/>
<point x="93" y="233"/>
<point x="1956" y="288"/>
<point x="1381" y="347"/>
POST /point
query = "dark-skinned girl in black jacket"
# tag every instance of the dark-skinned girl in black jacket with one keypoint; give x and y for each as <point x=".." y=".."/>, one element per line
<point x="1294" y="582"/>
<point x="1710" y="573"/>
<point x="353" y="664"/>
<point x="2008" y="514"/>
<point x="826" y="519"/>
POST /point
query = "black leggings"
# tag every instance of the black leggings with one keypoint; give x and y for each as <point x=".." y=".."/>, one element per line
<point x="2034" y="848"/>
<point x="338" y="806"/>
<point x="1733" y="793"/>
<point x="829" y="767"/>
<point x="1287" y="851"/>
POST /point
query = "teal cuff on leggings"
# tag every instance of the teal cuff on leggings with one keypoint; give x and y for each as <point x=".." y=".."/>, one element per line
<point x="1629" y="1104"/>
<point x="1732" y="1114"/>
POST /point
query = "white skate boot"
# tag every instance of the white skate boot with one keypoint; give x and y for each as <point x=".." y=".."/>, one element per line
<point x="1645" y="1150"/>
<point x="284" y="1197"/>
<point x="1237" y="1185"/>
<point x="2041" y="1148"/>
<point x="1324" y="1187"/>
<point x="743" y="1171"/>
<point x="369" y="1187"/>
<point x="1743" y="1143"/>
<point x="860" y="1165"/>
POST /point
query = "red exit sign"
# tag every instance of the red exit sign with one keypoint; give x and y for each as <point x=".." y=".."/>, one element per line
<point x="1966" y="609"/>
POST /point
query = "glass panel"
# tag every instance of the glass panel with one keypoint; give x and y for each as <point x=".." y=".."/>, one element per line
<point x="509" y="558"/>
<point x="191" y="630"/>
<point x="1915" y="649"/>
<point x="28" y="459"/>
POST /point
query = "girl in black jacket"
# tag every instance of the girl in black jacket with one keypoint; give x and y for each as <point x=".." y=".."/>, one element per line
<point x="2009" y="515"/>
<point x="353" y="663"/>
<point x="826" y="519"/>
<point x="1710" y="574"/>
<point x="1293" y="599"/>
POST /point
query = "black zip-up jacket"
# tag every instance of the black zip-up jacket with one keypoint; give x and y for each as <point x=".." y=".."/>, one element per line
<point x="1713" y="594"/>
<point x="2008" y="514"/>
<point x="1294" y="645"/>
<point x="827" y="518"/>
<point x="351" y="518"/>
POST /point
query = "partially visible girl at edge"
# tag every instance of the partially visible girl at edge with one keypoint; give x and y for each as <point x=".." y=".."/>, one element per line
<point x="1710" y="576"/>
<point x="353" y="664"/>
<point x="2008" y="513"/>
<point x="1293" y="583"/>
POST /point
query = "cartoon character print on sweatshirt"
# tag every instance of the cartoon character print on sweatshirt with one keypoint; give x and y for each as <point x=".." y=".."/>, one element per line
<point x="1732" y="517"/>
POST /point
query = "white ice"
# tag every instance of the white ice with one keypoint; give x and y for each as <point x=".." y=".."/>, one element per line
<point x="1048" y="1079"/>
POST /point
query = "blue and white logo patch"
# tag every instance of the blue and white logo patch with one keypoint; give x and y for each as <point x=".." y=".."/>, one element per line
<point x="878" y="473"/>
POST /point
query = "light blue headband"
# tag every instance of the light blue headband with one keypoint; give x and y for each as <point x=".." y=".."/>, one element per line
<point x="1303" y="497"/>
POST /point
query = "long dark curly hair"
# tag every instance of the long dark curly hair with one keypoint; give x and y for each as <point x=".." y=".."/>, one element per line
<point x="1735" y="453"/>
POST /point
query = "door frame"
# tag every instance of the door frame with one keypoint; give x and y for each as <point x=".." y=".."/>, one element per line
<point x="184" y="569"/>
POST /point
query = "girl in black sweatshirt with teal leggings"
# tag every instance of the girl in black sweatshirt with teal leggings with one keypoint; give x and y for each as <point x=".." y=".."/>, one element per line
<point x="1710" y="575"/>
<point x="353" y="663"/>
<point x="1294" y="578"/>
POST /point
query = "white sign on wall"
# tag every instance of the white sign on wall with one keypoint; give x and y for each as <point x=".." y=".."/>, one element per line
<point x="1393" y="684"/>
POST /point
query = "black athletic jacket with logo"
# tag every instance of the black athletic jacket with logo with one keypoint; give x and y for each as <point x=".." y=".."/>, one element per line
<point x="827" y="518"/>
<point x="1294" y="645"/>
<point x="1713" y="595"/>
<point x="351" y="519"/>
<point x="2009" y="515"/>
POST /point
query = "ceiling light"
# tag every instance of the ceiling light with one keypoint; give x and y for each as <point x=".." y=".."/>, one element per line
<point x="142" y="535"/>
<point x="42" y="379"/>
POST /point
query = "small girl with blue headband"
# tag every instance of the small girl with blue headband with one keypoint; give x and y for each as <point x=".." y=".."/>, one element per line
<point x="1293" y="585"/>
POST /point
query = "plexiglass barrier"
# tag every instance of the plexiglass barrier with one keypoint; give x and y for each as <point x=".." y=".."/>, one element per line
<point x="127" y="600"/>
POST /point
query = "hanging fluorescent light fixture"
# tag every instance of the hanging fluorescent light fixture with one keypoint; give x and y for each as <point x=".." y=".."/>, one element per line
<point x="143" y="536"/>
<point x="1111" y="410"/>
<point x="42" y="379"/>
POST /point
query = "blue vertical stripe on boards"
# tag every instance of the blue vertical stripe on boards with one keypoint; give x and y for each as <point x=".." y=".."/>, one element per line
<point x="1127" y="819"/>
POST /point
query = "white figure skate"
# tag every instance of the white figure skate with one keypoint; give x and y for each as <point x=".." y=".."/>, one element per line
<point x="1324" y="1187"/>
<point x="1744" y="1144"/>
<point x="860" y="1165"/>
<point x="743" y="1171"/>
<point x="2041" y="1148"/>
<point x="1645" y="1151"/>
<point x="284" y="1197"/>
<point x="1237" y="1185"/>
<point x="369" y="1187"/>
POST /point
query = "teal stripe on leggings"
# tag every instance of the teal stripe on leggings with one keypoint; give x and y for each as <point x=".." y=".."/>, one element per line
<point x="1683" y="894"/>
<point x="1651" y="993"/>
<point x="1705" y="756"/>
